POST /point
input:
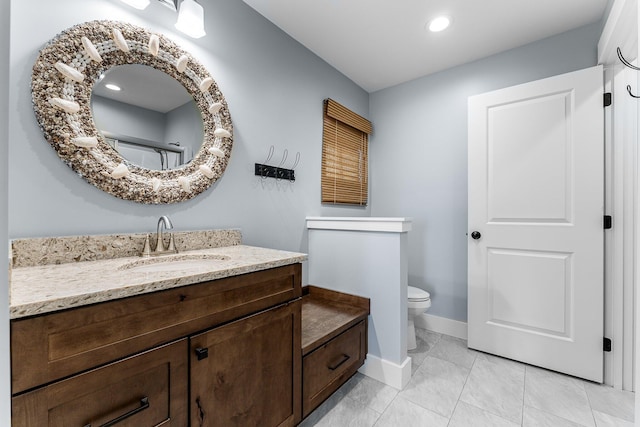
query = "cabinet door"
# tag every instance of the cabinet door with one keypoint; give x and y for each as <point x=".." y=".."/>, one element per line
<point x="248" y="373"/>
<point x="149" y="389"/>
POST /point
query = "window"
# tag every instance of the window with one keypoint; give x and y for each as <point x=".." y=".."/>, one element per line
<point x="345" y="144"/>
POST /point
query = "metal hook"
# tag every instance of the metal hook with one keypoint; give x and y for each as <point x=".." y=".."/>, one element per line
<point x="284" y="157"/>
<point x="291" y="175"/>
<point x="297" y="160"/>
<point x="271" y="149"/>
<point x="285" y="153"/>
<point x="263" y="173"/>
<point x="625" y="62"/>
<point x="629" y="90"/>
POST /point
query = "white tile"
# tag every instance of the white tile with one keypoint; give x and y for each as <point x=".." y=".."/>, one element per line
<point x="606" y="420"/>
<point x="425" y="341"/>
<point x="369" y="392"/>
<point x="618" y="403"/>
<point x="401" y="412"/>
<point x="314" y="417"/>
<point x="536" y="418"/>
<point x="557" y="394"/>
<point x="454" y="350"/>
<point x="496" y="385"/>
<point x="466" y="415"/>
<point x="436" y="385"/>
<point x="348" y="413"/>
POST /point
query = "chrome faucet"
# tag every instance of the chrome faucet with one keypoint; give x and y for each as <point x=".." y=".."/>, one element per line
<point x="164" y="223"/>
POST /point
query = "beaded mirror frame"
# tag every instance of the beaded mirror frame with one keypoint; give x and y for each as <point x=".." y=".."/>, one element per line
<point x="63" y="77"/>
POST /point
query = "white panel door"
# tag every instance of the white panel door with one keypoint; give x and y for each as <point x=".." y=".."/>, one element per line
<point x="536" y="197"/>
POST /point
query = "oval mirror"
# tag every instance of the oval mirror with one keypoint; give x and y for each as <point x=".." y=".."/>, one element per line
<point x="177" y="157"/>
<point x="147" y="117"/>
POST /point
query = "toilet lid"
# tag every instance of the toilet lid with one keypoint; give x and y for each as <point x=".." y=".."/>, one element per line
<point x="417" y="294"/>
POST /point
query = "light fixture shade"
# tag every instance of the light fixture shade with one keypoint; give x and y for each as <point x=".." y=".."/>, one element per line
<point x="138" y="4"/>
<point x="191" y="19"/>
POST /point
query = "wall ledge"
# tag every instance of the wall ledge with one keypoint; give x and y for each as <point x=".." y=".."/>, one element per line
<point x="379" y="224"/>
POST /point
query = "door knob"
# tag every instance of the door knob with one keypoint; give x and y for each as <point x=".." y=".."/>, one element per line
<point x="476" y="235"/>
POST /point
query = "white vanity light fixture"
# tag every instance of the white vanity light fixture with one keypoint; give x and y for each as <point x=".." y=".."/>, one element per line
<point x="138" y="4"/>
<point x="439" y="23"/>
<point x="191" y="19"/>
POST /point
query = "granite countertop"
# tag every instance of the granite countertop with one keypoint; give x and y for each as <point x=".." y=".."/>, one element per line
<point x="42" y="289"/>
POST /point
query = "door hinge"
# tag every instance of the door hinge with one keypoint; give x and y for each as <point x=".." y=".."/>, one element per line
<point x="607" y="222"/>
<point x="607" y="99"/>
<point x="606" y="344"/>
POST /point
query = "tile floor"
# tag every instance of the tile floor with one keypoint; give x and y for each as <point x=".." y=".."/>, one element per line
<point x="452" y="386"/>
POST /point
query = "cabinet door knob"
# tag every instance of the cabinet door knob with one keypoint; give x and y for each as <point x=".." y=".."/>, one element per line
<point x="476" y="235"/>
<point x="202" y="353"/>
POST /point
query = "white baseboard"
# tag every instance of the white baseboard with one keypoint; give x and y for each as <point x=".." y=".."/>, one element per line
<point x="396" y="376"/>
<point x="442" y="325"/>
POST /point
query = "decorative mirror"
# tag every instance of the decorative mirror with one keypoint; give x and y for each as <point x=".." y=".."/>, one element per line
<point x="179" y="154"/>
<point x="147" y="116"/>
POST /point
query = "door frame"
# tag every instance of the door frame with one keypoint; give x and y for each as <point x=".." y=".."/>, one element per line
<point x="621" y="195"/>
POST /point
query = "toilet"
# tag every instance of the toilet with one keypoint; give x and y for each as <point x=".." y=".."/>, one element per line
<point x="419" y="302"/>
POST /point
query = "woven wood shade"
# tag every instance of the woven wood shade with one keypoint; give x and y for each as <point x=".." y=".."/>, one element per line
<point x="345" y="174"/>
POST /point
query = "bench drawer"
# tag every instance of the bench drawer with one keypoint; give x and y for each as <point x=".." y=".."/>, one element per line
<point x="330" y="365"/>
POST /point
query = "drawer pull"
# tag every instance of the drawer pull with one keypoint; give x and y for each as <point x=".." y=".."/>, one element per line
<point x="202" y="353"/>
<point x="342" y="360"/>
<point x="144" y="404"/>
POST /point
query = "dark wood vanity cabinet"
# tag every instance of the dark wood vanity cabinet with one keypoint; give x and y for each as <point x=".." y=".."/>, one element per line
<point x="231" y="344"/>
<point x="247" y="373"/>
<point x="148" y="389"/>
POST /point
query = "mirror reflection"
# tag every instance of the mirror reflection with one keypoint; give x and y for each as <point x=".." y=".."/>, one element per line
<point x="147" y="116"/>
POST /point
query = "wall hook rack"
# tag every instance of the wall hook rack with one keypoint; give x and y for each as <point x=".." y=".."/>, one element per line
<point x="630" y="93"/>
<point x="625" y="62"/>
<point x="264" y="171"/>
<point x="630" y="65"/>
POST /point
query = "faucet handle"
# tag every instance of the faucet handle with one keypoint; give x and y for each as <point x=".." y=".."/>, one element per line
<point x="172" y="244"/>
<point x="159" y="244"/>
<point x="146" y="250"/>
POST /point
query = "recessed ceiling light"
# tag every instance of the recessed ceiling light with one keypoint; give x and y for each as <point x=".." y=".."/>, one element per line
<point x="111" y="86"/>
<point x="439" y="24"/>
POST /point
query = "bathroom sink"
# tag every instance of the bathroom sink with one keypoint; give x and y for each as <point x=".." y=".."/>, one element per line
<point x="184" y="262"/>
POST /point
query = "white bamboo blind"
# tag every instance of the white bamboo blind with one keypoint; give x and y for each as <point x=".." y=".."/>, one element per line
<point x="345" y="175"/>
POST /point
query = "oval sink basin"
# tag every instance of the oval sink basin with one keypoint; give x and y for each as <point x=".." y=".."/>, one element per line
<point x="174" y="263"/>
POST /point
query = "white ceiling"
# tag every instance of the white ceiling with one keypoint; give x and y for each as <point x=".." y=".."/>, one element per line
<point x="143" y="87"/>
<point x="381" y="43"/>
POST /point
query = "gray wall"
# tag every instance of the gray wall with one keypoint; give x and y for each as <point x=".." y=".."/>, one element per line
<point x="5" y="389"/>
<point x="274" y="88"/>
<point x="419" y="155"/>
<point x="184" y="125"/>
<point x="126" y="119"/>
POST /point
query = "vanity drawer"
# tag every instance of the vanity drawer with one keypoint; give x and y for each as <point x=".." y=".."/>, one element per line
<point x="325" y="369"/>
<point x="149" y="389"/>
<point x="53" y="346"/>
